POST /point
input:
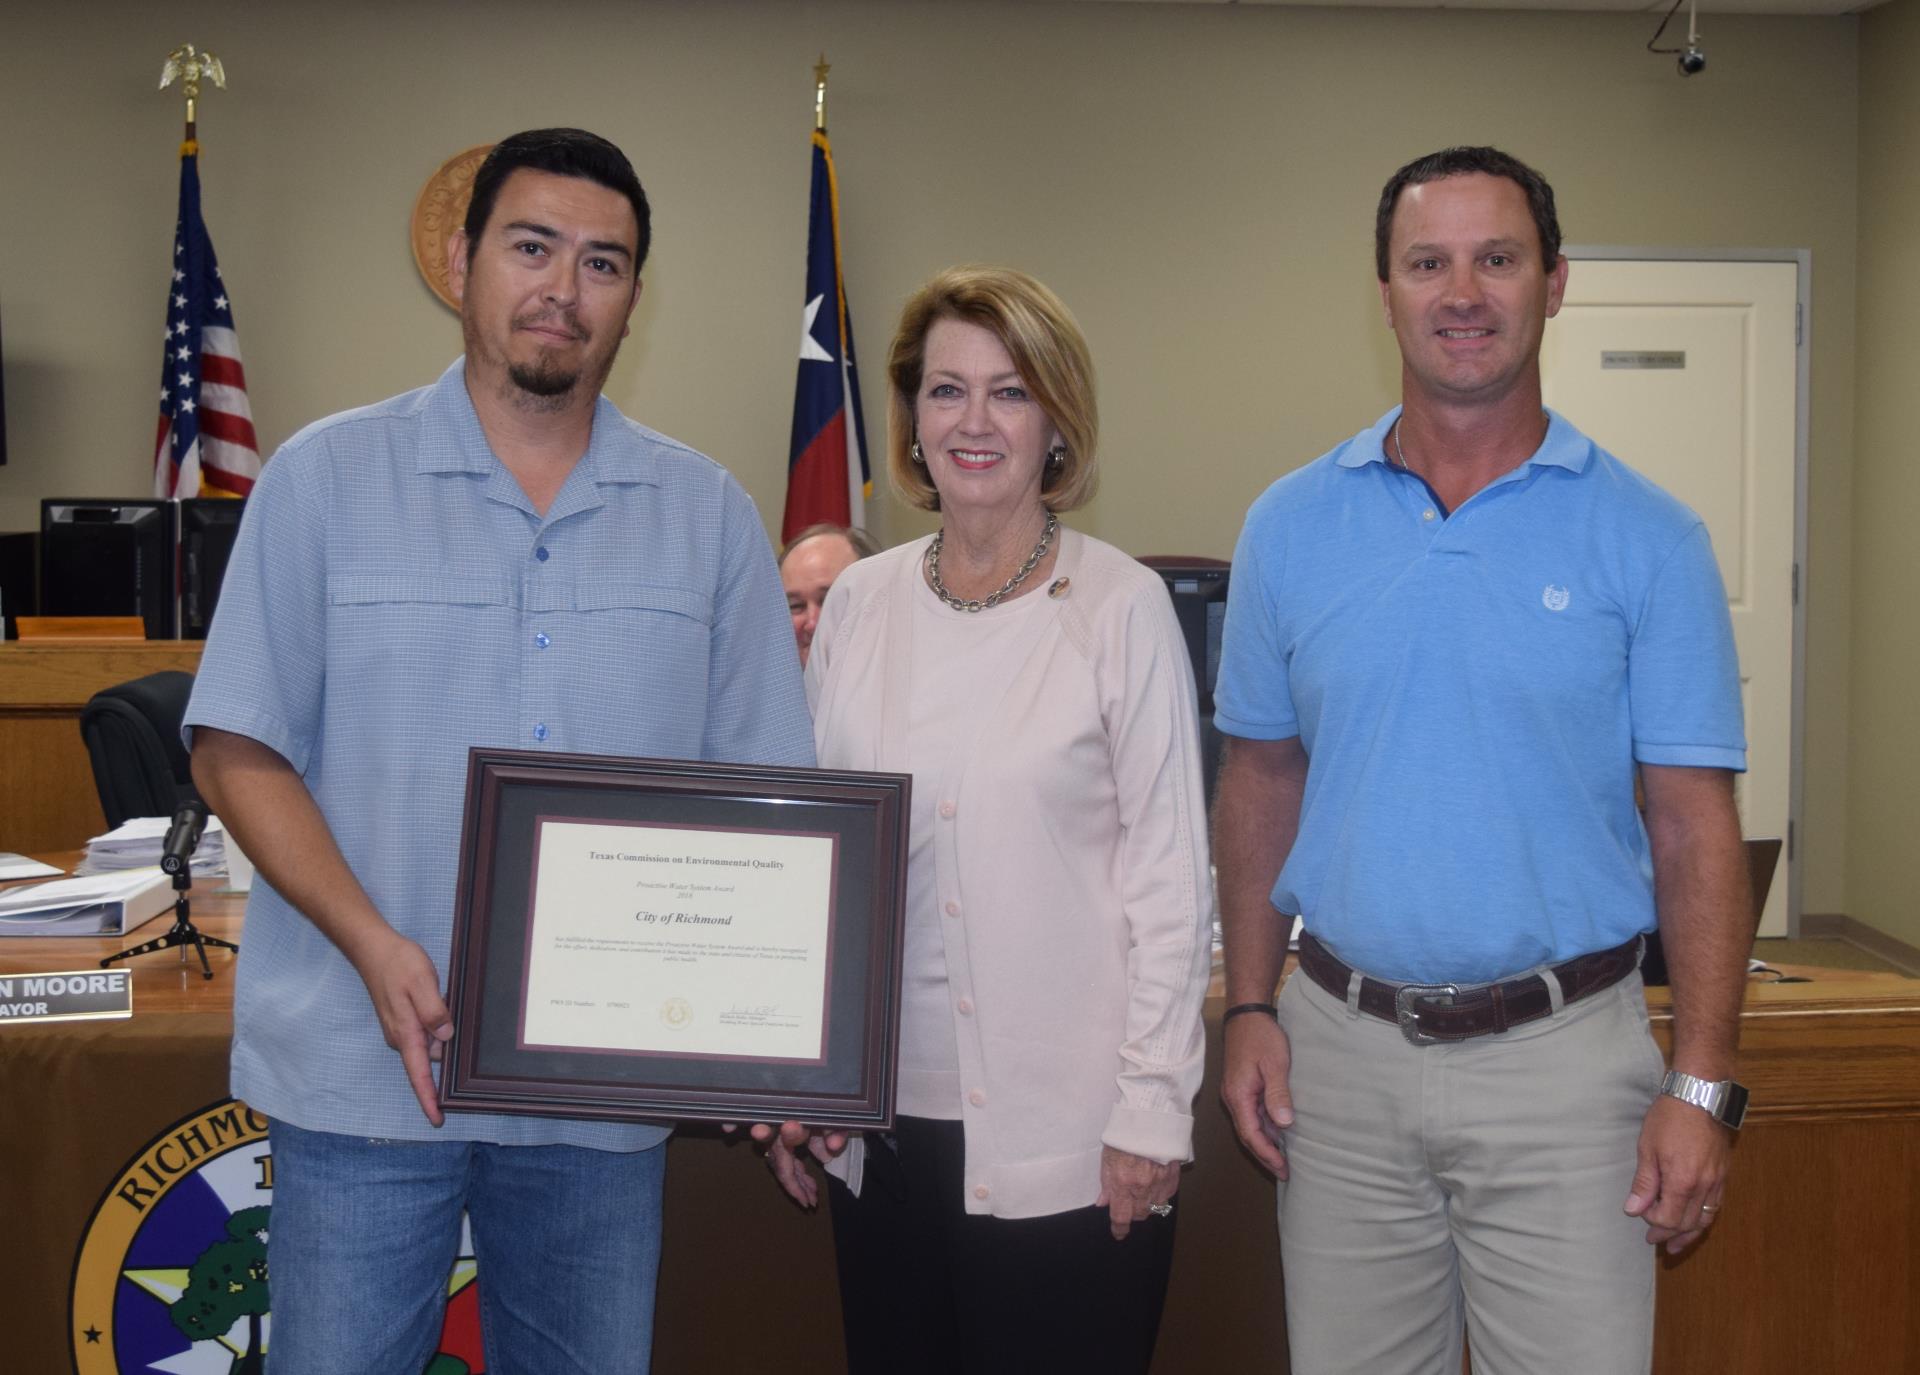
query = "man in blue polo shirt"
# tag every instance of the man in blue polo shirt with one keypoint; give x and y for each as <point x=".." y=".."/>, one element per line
<point x="500" y="558"/>
<point x="1452" y="645"/>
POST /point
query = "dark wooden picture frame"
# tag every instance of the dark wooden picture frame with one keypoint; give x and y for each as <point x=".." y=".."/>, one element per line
<point x="487" y="1067"/>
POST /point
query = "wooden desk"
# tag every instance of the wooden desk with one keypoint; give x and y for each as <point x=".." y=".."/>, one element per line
<point x="1814" y="1265"/>
<point x="82" y="1098"/>
<point x="47" y="797"/>
<point x="749" y="1284"/>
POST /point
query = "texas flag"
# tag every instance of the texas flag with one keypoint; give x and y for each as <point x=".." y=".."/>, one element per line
<point x="827" y="475"/>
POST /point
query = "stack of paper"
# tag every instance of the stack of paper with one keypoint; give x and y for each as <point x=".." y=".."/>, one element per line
<point x="105" y="905"/>
<point x="14" y="866"/>
<point x="137" y="843"/>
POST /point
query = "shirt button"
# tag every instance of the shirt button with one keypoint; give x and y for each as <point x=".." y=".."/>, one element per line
<point x="981" y="1191"/>
<point x="953" y="909"/>
<point x="540" y="731"/>
<point x="977" y="1098"/>
<point x="947" y="810"/>
<point x="541" y="553"/>
<point x="1427" y="514"/>
<point x="542" y="639"/>
<point x="966" y="1007"/>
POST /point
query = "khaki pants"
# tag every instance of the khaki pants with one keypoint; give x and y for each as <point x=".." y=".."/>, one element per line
<point x="1478" y="1183"/>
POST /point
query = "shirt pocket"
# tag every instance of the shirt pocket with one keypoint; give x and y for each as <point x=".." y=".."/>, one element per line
<point x="648" y="647"/>
<point x="380" y="589"/>
<point x="435" y="623"/>
<point x="650" y="599"/>
<point x="669" y="624"/>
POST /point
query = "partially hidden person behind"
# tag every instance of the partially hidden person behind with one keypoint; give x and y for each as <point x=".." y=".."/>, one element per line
<point x="810" y="563"/>
<point x="1034" y="682"/>
<point x="501" y="559"/>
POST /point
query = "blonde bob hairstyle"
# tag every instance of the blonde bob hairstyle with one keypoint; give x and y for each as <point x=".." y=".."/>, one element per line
<point x="1047" y="349"/>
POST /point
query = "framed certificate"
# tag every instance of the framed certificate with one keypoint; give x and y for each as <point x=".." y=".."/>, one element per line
<point x="670" y="939"/>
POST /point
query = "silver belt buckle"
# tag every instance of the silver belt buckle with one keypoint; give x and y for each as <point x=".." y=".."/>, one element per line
<point x="1404" y="998"/>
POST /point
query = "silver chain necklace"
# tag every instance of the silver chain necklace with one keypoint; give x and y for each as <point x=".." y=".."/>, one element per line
<point x="1006" y="588"/>
<point x="1399" y="454"/>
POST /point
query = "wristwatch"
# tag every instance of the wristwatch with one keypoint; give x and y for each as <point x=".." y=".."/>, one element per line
<point x="1721" y="1099"/>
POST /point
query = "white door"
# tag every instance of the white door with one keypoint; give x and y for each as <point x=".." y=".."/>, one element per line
<point x="1687" y="371"/>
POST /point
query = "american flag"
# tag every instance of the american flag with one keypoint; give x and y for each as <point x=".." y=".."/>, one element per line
<point x="206" y="445"/>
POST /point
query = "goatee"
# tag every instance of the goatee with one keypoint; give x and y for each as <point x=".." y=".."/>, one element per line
<point x="543" y="380"/>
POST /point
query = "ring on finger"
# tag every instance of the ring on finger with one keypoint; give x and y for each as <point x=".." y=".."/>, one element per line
<point x="1160" y="1209"/>
<point x="1709" y="1207"/>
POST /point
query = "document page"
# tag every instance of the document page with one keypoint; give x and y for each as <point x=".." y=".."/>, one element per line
<point x="681" y="941"/>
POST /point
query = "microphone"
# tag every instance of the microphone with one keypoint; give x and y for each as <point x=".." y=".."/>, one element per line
<point x="182" y="836"/>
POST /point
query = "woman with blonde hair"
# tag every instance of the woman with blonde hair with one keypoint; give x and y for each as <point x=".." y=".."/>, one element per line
<point x="1034" y="682"/>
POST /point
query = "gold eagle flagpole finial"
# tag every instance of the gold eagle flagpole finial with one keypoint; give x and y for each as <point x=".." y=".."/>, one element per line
<point x="190" y="67"/>
<point x="820" y="95"/>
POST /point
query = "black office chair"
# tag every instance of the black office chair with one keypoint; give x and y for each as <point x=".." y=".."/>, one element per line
<point x="132" y="732"/>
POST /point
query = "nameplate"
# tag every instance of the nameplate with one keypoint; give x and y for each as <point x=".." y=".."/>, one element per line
<point x="1657" y="359"/>
<point x="83" y="995"/>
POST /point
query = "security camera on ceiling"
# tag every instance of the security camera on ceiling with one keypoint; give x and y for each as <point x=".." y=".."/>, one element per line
<point x="1692" y="59"/>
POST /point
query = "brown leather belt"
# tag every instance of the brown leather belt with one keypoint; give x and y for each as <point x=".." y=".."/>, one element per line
<point x="1426" y="1013"/>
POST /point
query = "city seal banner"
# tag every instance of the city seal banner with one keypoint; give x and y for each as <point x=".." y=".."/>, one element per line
<point x="171" y="1274"/>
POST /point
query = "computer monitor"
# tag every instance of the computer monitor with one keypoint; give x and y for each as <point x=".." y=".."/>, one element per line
<point x="1199" y="591"/>
<point x="208" y="526"/>
<point x="101" y="557"/>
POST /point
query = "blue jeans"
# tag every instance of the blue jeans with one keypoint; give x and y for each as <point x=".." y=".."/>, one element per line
<point x="363" y="1234"/>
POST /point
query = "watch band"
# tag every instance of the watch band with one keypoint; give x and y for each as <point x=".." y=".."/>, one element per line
<point x="1264" y="1009"/>
<point x="1722" y="1099"/>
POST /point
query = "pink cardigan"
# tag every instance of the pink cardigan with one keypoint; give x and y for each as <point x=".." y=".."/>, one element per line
<point x="1071" y="856"/>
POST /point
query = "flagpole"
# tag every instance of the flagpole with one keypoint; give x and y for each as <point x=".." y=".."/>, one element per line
<point x="204" y="444"/>
<point x="827" y="473"/>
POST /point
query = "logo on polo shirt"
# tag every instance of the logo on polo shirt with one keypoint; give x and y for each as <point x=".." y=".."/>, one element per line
<point x="1555" y="597"/>
<point x="172" y="1270"/>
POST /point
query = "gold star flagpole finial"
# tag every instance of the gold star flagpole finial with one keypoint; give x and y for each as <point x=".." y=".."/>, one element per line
<point x="820" y="94"/>
<point x="190" y="67"/>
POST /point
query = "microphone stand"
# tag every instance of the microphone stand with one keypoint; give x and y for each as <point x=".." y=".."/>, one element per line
<point x="183" y="837"/>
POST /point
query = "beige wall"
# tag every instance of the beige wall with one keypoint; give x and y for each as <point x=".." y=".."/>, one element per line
<point x="1196" y="180"/>
<point x="1886" y="490"/>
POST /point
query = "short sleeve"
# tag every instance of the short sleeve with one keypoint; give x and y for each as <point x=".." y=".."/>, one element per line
<point x="263" y="672"/>
<point x="1251" y="695"/>
<point x="1683" y="671"/>
<point x="756" y="707"/>
<point x="820" y="656"/>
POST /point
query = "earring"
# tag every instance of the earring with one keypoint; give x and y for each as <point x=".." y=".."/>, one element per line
<point x="1057" y="458"/>
<point x="917" y="454"/>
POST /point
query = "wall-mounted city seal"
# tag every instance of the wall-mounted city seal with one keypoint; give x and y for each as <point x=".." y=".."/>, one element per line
<point x="440" y="210"/>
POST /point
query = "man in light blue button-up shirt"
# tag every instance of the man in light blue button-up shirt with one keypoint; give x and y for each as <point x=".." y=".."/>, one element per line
<point x="499" y="559"/>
